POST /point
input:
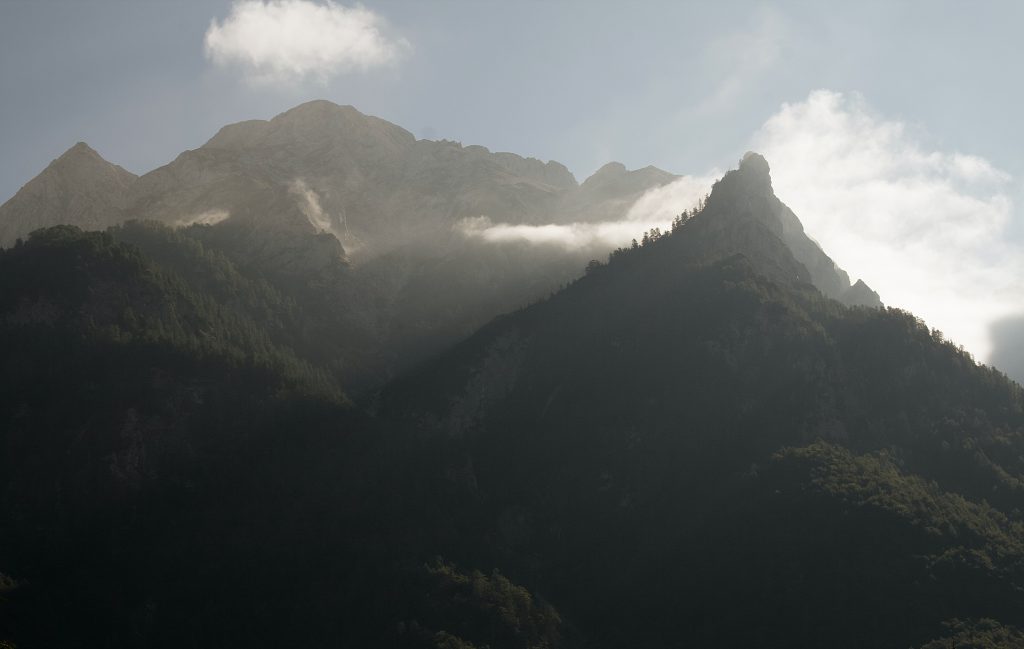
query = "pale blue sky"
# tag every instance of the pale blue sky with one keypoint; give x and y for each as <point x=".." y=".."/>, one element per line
<point x="684" y="86"/>
<point x="580" y="82"/>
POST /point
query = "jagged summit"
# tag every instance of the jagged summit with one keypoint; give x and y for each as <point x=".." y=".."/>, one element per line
<point x="746" y="193"/>
<point x="754" y="162"/>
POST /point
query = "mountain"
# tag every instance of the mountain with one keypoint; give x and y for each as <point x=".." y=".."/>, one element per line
<point x="79" y="188"/>
<point x="609" y="193"/>
<point x="744" y="215"/>
<point x="689" y="441"/>
<point x="373" y="184"/>
<point x="357" y="219"/>
<point x="692" y="442"/>
<point x="238" y="433"/>
<point x="365" y="180"/>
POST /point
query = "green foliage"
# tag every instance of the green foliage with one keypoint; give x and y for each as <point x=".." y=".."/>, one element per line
<point x="459" y="610"/>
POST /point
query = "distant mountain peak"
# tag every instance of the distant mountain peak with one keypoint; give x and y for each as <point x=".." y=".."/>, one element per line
<point x="79" y="148"/>
<point x="614" y="179"/>
<point x="610" y="169"/>
<point x="80" y="188"/>
<point x="82" y="156"/>
<point x="319" y="108"/>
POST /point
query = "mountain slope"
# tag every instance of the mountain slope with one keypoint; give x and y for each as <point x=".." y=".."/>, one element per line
<point x="373" y="184"/>
<point x="79" y="188"/>
<point x="361" y="178"/>
<point x="692" y="442"/>
<point x="353" y="217"/>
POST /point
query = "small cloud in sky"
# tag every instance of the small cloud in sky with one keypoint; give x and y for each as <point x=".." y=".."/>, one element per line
<point x="276" y="41"/>
<point x="926" y="229"/>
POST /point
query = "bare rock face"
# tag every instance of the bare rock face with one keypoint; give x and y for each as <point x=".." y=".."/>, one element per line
<point x="79" y="188"/>
<point x="375" y="187"/>
<point x="748" y="190"/>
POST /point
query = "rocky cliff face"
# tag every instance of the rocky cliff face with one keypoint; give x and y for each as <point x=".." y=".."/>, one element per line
<point x="79" y="187"/>
<point x="374" y="186"/>
<point x="743" y="201"/>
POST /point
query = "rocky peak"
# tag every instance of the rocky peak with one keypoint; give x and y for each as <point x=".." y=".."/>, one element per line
<point x="78" y="188"/>
<point x="746" y="194"/>
<point x="755" y="164"/>
<point x="325" y="121"/>
<point x="81" y="160"/>
<point x="615" y="179"/>
<point x="609" y="169"/>
<point x="80" y="150"/>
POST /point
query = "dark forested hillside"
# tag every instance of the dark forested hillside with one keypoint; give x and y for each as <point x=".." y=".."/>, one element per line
<point x="694" y="443"/>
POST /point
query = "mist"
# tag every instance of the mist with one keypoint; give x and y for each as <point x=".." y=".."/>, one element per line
<point x="654" y="209"/>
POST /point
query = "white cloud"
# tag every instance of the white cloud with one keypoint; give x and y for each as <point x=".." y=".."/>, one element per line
<point x="209" y="217"/>
<point x="292" y="40"/>
<point x="654" y="209"/>
<point x="926" y="229"/>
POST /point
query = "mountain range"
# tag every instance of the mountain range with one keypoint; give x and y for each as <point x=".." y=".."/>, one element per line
<point x="359" y="213"/>
<point x="268" y="395"/>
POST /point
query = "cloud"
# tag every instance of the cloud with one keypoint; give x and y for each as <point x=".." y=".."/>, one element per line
<point x="292" y="40"/>
<point x="926" y="229"/>
<point x="654" y="209"/>
<point x="209" y="217"/>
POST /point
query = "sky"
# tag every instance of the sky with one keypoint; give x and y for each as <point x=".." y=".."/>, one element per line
<point x="892" y="128"/>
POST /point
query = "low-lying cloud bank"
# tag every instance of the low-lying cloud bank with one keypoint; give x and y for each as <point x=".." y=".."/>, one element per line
<point x="925" y="228"/>
<point x="276" y="41"/>
<point x="654" y="209"/>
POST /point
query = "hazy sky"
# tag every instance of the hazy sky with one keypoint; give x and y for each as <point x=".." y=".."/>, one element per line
<point x="893" y="129"/>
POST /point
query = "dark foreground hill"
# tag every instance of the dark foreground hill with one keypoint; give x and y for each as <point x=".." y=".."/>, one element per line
<point x="690" y="445"/>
